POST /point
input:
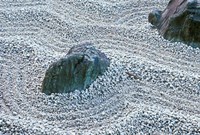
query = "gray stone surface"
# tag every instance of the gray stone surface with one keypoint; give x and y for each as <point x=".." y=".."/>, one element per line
<point x="77" y="70"/>
<point x="154" y="17"/>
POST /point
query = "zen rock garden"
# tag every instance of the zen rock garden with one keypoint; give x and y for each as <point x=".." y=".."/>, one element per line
<point x="180" y="21"/>
<point x="77" y="70"/>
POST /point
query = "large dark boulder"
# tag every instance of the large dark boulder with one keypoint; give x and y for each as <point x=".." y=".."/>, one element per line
<point x="77" y="70"/>
<point x="180" y="21"/>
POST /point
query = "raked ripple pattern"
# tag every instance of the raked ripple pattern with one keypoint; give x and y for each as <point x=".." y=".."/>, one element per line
<point x="34" y="33"/>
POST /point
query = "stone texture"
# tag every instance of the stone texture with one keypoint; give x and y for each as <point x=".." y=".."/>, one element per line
<point x="180" y="21"/>
<point x="154" y="17"/>
<point x="77" y="70"/>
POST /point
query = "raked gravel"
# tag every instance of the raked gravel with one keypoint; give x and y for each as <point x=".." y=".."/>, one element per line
<point x="151" y="87"/>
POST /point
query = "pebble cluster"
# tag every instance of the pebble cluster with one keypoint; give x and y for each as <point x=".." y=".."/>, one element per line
<point x="151" y="87"/>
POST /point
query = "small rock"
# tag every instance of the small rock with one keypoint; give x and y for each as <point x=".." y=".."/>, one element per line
<point x="14" y="113"/>
<point x="77" y="70"/>
<point x="154" y="17"/>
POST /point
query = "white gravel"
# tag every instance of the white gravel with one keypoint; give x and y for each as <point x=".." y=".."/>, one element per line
<point x="34" y="33"/>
